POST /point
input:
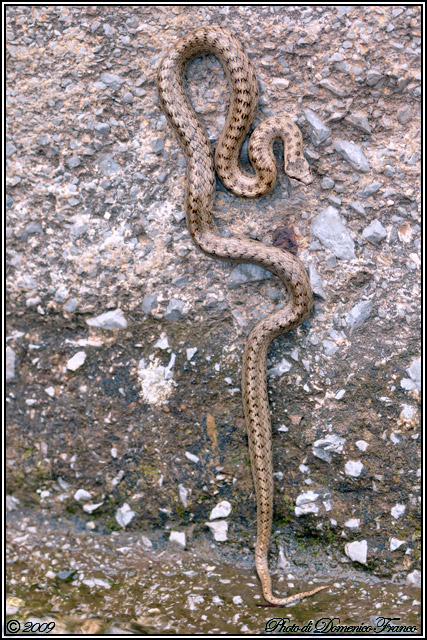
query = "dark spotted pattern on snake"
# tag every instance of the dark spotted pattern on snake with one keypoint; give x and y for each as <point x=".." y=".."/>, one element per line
<point x="200" y="190"/>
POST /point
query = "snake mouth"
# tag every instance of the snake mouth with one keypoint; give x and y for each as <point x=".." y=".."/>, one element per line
<point x="302" y="179"/>
<point x="299" y="170"/>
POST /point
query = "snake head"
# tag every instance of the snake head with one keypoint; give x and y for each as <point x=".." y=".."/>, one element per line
<point x="298" y="169"/>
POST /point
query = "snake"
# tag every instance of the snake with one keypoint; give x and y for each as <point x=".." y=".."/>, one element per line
<point x="201" y="164"/>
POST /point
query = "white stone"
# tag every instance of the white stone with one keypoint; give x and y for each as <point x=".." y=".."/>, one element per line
<point x="359" y="314"/>
<point x="362" y="445"/>
<point x="13" y="604"/>
<point x="162" y="342"/>
<point x="415" y="259"/>
<point x="219" y="529"/>
<point x="307" y="496"/>
<point x="395" y="543"/>
<point x="353" y="468"/>
<point x="222" y="510"/>
<point x="155" y="388"/>
<point x="407" y="384"/>
<point x="115" y="481"/>
<point x="10" y="363"/>
<point x="168" y="369"/>
<point x="124" y="515"/>
<point x="183" y="493"/>
<point x="82" y="494"/>
<point x="325" y="447"/>
<point x="330" y="229"/>
<point x="90" y="507"/>
<point x="192" y="457"/>
<point x="398" y="510"/>
<point x="407" y="413"/>
<point x="280" y="83"/>
<point x="20" y="539"/>
<point x="191" y="352"/>
<point x="178" y="537"/>
<point x="146" y="542"/>
<point x="357" y="551"/>
<point x="415" y="373"/>
<point x="110" y="320"/>
<point x="282" y="561"/>
<point x="395" y="437"/>
<point x="76" y="361"/>
<point x="193" y="600"/>
<point x="352" y="523"/>
<point x="96" y="582"/>
<point x="309" y="507"/>
<point x="12" y="503"/>
<point x="281" y="368"/>
<point x="414" y="578"/>
<point x="50" y="391"/>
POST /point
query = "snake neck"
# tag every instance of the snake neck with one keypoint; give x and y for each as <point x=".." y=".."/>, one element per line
<point x="243" y="104"/>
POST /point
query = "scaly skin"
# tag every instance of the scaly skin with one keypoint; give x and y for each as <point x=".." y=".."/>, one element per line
<point x="200" y="189"/>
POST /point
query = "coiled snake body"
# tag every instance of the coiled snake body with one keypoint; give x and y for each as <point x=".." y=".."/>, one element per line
<point x="200" y="189"/>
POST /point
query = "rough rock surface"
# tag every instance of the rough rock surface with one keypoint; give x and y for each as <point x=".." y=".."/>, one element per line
<point x="95" y="226"/>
